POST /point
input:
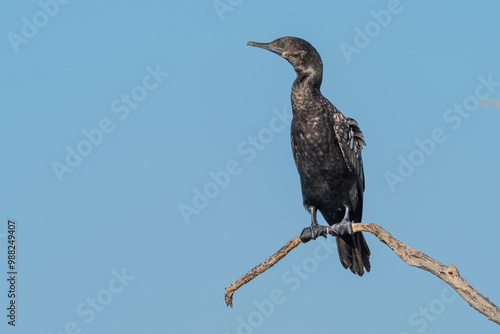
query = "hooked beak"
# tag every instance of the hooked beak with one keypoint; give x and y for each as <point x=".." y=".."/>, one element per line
<point x="267" y="46"/>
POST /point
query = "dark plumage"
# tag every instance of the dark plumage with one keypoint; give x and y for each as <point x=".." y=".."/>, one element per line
<point x="327" y="148"/>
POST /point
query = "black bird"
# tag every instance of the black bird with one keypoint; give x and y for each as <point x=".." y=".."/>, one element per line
<point x="326" y="148"/>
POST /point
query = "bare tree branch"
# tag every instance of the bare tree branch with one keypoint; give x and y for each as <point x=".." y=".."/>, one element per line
<point x="257" y="270"/>
<point x="449" y="274"/>
<point x="410" y="255"/>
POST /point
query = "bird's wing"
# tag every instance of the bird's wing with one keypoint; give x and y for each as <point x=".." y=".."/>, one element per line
<point x="351" y="143"/>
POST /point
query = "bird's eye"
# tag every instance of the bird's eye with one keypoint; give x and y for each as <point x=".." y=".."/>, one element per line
<point x="281" y="44"/>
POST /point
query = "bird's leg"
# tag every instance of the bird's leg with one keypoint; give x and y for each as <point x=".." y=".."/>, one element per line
<point x="342" y="228"/>
<point x="315" y="230"/>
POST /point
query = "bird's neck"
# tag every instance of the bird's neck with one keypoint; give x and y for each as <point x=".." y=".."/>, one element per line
<point x="309" y="78"/>
<point x="306" y="89"/>
<point x="307" y="84"/>
<point x="306" y="96"/>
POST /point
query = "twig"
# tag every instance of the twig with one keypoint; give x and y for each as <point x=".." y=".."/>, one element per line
<point x="257" y="270"/>
<point x="408" y="254"/>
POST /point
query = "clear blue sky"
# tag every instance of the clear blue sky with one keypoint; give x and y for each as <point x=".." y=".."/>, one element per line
<point x="116" y="116"/>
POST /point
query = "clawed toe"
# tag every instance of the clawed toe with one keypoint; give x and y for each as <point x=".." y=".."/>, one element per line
<point x="342" y="228"/>
<point x="313" y="232"/>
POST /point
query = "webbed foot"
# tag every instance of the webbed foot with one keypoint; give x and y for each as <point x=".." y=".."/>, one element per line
<point x="342" y="228"/>
<point x="315" y="230"/>
<point x="312" y="232"/>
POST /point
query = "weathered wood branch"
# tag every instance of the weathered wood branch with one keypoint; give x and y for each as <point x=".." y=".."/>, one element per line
<point x="448" y="274"/>
<point x="257" y="270"/>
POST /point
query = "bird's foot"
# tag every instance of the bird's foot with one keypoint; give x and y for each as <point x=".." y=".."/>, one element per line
<point x="312" y="232"/>
<point x="342" y="228"/>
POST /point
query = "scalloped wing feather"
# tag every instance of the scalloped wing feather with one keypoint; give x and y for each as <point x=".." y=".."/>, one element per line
<point x="350" y="138"/>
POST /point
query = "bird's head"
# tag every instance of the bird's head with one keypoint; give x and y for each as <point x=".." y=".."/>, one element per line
<point x="302" y="55"/>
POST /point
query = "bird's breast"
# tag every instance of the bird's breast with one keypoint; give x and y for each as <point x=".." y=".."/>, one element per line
<point x="315" y="145"/>
<point x="319" y="160"/>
